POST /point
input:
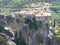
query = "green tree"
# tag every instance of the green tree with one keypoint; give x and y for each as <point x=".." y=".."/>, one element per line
<point x="35" y="23"/>
<point x="32" y="23"/>
<point x="58" y="33"/>
<point x="6" y="11"/>
<point x="1" y="26"/>
<point x="19" y="40"/>
<point x="28" y="21"/>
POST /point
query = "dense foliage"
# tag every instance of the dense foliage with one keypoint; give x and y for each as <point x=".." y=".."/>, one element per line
<point x="56" y="14"/>
<point x="1" y="26"/>
<point x="19" y="40"/>
<point x="20" y="3"/>
<point x="58" y="33"/>
<point x="6" y="5"/>
<point x="32" y="23"/>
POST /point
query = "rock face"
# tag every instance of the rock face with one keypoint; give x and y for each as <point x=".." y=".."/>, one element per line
<point x="9" y="32"/>
<point x="11" y="43"/>
<point x="4" y="40"/>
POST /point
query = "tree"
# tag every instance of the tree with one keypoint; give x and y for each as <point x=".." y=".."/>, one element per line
<point x="22" y="41"/>
<point x="6" y="11"/>
<point x="58" y="33"/>
<point x="19" y="3"/>
<point x="19" y="40"/>
<point x="35" y="24"/>
<point x="1" y="25"/>
<point x="29" y="22"/>
<point x="32" y="23"/>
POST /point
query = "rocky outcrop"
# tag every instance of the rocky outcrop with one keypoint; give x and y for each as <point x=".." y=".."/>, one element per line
<point x="5" y="40"/>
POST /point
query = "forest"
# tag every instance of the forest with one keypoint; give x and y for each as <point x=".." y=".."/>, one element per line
<point x="22" y="3"/>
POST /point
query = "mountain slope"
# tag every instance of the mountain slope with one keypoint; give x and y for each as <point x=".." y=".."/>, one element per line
<point x="21" y="3"/>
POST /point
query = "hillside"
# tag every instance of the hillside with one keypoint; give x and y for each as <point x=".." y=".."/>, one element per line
<point x="6" y="5"/>
<point x="22" y="3"/>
